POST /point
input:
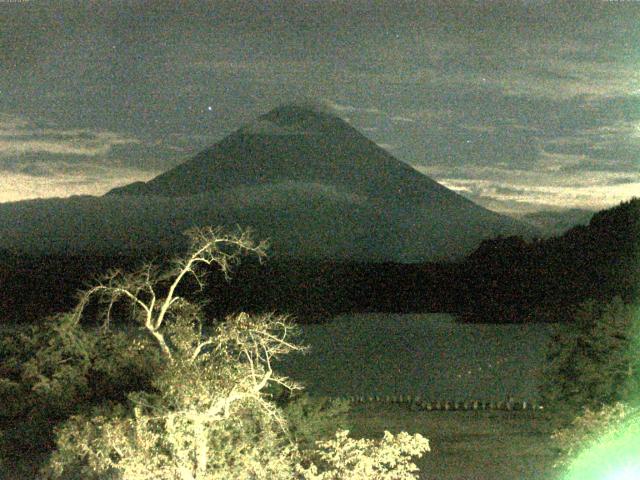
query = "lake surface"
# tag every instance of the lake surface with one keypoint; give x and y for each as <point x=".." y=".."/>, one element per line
<point x="417" y="354"/>
<point x="424" y="354"/>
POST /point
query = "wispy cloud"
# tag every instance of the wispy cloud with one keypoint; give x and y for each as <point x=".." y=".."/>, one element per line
<point x="513" y="190"/>
<point x="345" y="108"/>
<point x="22" y="186"/>
<point x="400" y="118"/>
<point x="47" y="161"/>
<point x="386" y="146"/>
<point x="18" y="136"/>
<point x="524" y="87"/>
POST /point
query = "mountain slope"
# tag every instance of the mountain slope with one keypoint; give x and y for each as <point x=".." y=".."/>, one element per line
<point x="297" y="144"/>
<point x="555" y="222"/>
<point x="416" y="217"/>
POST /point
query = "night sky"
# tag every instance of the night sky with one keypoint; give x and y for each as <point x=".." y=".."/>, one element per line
<point x="519" y="106"/>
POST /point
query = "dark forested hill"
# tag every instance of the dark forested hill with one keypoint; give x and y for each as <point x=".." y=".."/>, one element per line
<point x="509" y="278"/>
<point x="506" y="279"/>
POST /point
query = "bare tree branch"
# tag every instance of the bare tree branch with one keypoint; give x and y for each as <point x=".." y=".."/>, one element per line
<point x="208" y="246"/>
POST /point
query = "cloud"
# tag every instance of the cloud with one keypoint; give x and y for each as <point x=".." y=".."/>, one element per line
<point x="622" y="180"/>
<point x="18" y="136"/>
<point x="386" y="146"/>
<point x="511" y="190"/>
<point x="341" y="108"/>
<point x="400" y="118"/>
<point x="614" y="147"/>
<point x="599" y="194"/>
<point x="43" y="160"/>
<point x="345" y="108"/>
<point x="524" y="153"/>
<point x="570" y="78"/>
<point x="97" y="181"/>
<point x="558" y="162"/>
<point x="514" y="87"/>
<point x="486" y="129"/>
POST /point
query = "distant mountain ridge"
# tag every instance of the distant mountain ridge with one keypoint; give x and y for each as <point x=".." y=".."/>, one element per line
<point x="503" y="280"/>
<point x="301" y="177"/>
<point x="555" y="222"/>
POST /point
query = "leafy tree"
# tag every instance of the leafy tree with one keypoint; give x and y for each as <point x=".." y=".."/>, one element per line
<point x="594" y="360"/>
<point x="208" y="413"/>
<point x="49" y="372"/>
<point x="310" y="419"/>
<point x="386" y="459"/>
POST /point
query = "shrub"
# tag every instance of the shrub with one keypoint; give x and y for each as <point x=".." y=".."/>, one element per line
<point x="386" y="459"/>
<point x="45" y="367"/>
<point x="51" y="371"/>
<point x="315" y="419"/>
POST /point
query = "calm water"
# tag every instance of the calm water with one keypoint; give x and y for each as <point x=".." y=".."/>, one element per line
<point x="426" y="354"/>
<point x="423" y="354"/>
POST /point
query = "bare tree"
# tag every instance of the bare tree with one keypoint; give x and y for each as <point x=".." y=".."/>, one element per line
<point x="251" y="341"/>
<point x="208" y="246"/>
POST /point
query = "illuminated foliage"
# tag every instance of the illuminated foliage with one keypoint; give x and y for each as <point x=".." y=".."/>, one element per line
<point x="57" y="369"/>
<point x="614" y="455"/>
<point x="209" y="413"/>
<point x="586" y="429"/>
<point x="604" y="443"/>
<point x="387" y="459"/>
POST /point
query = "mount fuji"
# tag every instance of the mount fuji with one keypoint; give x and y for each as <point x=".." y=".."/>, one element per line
<point x="299" y="176"/>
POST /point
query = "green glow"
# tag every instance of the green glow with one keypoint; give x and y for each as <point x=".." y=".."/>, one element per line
<point x="615" y="456"/>
<point x="625" y="473"/>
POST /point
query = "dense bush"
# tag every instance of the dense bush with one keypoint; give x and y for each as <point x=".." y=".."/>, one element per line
<point x="594" y="359"/>
<point x="51" y="371"/>
<point x="312" y="419"/>
<point x="386" y="459"/>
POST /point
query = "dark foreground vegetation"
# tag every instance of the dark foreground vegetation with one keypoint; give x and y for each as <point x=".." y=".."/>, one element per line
<point x="503" y="280"/>
<point x="174" y="403"/>
<point x="94" y="403"/>
<point x="464" y="445"/>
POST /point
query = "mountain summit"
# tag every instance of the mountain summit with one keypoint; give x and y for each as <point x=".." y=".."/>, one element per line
<point x="317" y="187"/>
<point x="297" y="144"/>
